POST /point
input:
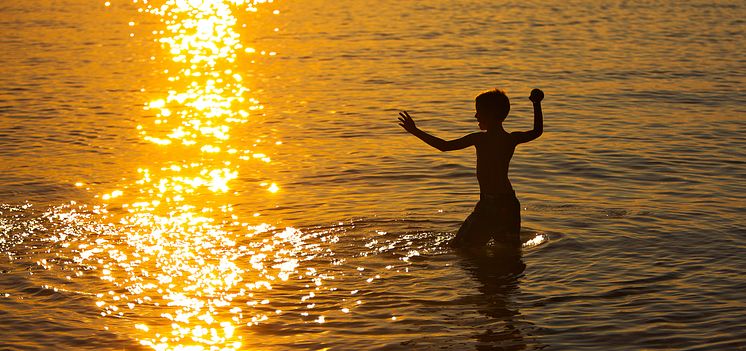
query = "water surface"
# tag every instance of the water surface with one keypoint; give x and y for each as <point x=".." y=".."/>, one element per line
<point x="230" y="175"/>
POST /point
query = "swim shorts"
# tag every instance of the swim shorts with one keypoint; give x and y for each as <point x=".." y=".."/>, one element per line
<point x="494" y="217"/>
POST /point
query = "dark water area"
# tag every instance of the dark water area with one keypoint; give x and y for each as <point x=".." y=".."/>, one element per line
<point x="203" y="176"/>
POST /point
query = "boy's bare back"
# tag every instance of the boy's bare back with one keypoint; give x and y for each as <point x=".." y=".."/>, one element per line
<point x="494" y="151"/>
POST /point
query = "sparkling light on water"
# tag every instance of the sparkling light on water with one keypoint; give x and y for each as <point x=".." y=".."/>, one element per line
<point x="170" y="251"/>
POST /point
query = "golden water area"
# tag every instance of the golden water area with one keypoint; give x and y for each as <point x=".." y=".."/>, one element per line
<point x="229" y="175"/>
<point x="165" y="244"/>
<point x="177" y="253"/>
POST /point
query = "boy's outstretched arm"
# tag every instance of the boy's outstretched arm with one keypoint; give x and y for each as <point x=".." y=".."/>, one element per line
<point x="524" y="137"/>
<point x="408" y="124"/>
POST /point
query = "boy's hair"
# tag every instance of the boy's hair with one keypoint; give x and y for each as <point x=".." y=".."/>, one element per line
<point x="495" y="101"/>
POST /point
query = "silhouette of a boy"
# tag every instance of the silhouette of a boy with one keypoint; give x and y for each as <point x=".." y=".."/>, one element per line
<point x="497" y="215"/>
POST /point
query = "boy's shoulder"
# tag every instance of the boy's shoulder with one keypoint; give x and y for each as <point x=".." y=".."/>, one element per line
<point x="500" y="137"/>
<point x="476" y="137"/>
<point x="497" y="134"/>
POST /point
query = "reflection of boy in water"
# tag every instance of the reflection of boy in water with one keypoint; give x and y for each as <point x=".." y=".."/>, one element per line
<point x="497" y="214"/>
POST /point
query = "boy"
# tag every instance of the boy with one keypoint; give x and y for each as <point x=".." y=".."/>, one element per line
<point x="497" y="214"/>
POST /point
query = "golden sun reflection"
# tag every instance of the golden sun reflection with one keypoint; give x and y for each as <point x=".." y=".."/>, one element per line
<point x="174" y="258"/>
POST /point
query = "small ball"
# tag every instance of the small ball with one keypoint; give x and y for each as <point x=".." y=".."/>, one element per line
<point x="537" y="93"/>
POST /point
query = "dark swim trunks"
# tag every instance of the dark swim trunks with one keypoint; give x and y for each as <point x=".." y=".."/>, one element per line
<point x="495" y="217"/>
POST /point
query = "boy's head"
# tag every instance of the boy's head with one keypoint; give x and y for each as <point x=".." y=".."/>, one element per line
<point x="492" y="106"/>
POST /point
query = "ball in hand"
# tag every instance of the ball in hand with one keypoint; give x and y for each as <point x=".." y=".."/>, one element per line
<point x="536" y="95"/>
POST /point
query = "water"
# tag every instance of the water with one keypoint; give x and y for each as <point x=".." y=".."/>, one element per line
<point x="311" y="221"/>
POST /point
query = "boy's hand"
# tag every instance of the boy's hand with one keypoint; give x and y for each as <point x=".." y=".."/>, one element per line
<point x="536" y="96"/>
<point x="407" y="122"/>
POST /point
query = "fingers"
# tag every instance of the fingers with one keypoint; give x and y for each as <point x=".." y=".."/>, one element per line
<point x="405" y="118"/>
<point x="405" y="121"/>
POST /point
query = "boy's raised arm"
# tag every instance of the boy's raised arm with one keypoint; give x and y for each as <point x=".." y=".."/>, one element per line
<point x="408" y="124"/>
<point x="523" y="137"/>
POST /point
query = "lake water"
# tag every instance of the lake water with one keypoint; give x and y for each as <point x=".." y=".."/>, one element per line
<point x="223" y="175"/>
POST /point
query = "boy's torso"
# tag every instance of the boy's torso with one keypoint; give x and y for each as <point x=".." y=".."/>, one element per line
<point x="494" y="151"/>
